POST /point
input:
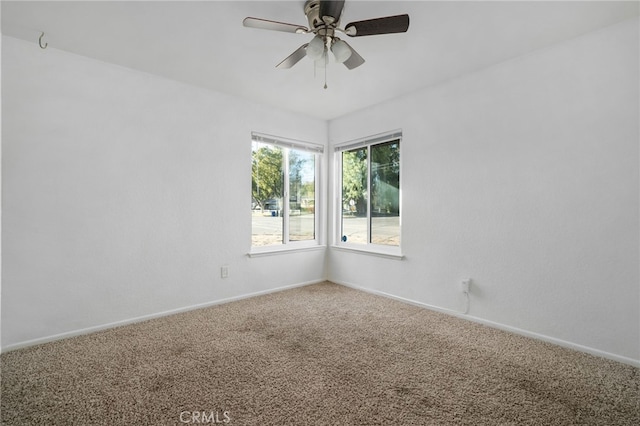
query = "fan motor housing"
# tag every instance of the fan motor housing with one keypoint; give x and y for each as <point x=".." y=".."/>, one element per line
<point x="317" y="25"/>
<point x="312" y="12"/>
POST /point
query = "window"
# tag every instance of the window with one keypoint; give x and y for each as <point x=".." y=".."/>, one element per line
<point x="284" y="176"/>
<point x="369" y="172"/>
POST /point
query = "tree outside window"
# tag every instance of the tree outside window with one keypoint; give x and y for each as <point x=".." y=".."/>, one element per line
<point x="283" y="188"/>
<point x="371" y="194"/>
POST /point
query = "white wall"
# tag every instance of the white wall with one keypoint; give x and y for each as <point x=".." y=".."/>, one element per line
<point x="524" y="177"/>
<point x="123" y="193"/>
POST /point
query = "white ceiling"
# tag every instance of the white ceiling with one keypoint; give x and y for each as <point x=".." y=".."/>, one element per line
<point x="204" y="43"/>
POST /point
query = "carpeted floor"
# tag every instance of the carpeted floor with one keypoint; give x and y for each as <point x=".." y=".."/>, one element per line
<point x="316" y="355"/>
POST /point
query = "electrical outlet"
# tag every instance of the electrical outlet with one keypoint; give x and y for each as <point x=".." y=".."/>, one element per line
<point x="224" y="271"/>
<point x="465" y="285"/>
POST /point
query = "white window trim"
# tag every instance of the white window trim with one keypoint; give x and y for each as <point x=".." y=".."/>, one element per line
<point x="391" y="252"/>
<point x="294" y="246"/>
<point x="287" y="143"/>
<point x="369" y="140"/>
<point x="372" y="249"/>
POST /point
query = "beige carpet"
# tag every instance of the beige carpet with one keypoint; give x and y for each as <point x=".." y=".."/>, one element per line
<point x="315" y="355"/>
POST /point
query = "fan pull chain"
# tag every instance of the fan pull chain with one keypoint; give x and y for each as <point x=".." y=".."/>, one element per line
<point x="325" y="74"/>
<point x="326" y="59"/>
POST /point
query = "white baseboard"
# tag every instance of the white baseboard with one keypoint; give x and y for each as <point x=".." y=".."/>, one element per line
<point x="107" y="326"/>
<point x="500" y="326"/>
<point x="559" y="342"/>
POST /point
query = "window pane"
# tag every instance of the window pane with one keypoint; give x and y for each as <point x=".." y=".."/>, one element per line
<point x="385" y="193"/>
<point x="302" y="195"/>
<point x="354" y="196"/>
<point x="266" y="193"/>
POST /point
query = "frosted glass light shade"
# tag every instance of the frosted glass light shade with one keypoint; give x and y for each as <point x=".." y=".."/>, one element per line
<point x="315" y="49"/>
<point x="341" y="51"/>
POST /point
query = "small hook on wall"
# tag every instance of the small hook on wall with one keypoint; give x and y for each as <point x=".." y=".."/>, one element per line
<point x="40" y="42"/>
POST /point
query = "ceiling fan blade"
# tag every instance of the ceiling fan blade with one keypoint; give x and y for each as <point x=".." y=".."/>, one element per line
<point x="386" y="25"/>
<point x="294" y="58"/>
<point x="354" y="60"/>
<point x="331" y="9"/>
<point x="265" y="24"/>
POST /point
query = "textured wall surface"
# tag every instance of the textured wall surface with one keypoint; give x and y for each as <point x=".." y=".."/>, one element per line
<point x="523" y="177"/>
<point x="124" y="193"/>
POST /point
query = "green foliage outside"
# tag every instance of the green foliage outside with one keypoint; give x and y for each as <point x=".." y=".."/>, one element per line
<point x="266" y="174"/>
<point x="385" y="180"/>
<point x="354" y="181"/>
<point x="301" y="181"/>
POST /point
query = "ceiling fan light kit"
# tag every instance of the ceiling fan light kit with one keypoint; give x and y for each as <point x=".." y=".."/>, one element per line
<point x="323" y="17"/>
<point x="340" y="50"/>
<point x="315" y="49"/>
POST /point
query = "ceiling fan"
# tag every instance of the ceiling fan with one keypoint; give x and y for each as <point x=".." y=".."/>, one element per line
<point x="324" y="21"/>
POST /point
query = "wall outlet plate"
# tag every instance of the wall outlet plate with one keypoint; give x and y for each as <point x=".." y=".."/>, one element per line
<point x="465" y="285"/>
<point x="224" y="271"/>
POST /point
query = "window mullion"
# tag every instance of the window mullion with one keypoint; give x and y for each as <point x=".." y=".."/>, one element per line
<point x="285" y="198"/>
<point x="337" y="161"/>
<point x="317" y="205"/>
<point x="369" y="194"/>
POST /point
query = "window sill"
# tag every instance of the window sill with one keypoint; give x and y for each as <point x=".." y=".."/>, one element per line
<point x="388" y="254"/>
<point x="272" y="251"/>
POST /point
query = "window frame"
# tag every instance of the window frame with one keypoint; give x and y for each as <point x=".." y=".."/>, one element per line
<point x="287" y="245"/>
<point x="388" y="251"/>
